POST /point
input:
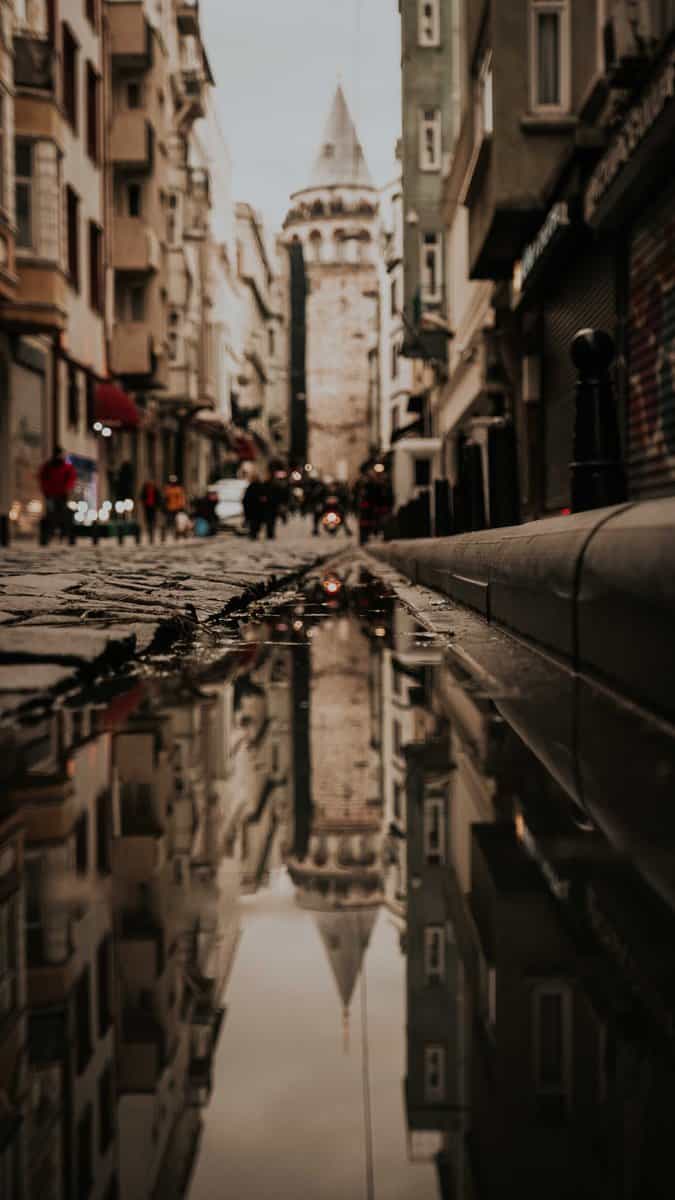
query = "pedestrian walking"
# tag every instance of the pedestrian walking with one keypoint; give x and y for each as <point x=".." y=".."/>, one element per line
<point x="58" y="478"/>
<point x="151" y="502"/>
<point x="253" y="505"/>
<point x="175" y="501"/>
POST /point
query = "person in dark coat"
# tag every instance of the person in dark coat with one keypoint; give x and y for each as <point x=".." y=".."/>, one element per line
<point x="151" y="502"/>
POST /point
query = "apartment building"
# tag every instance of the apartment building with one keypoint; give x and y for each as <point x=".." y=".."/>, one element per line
<point x="64" y="797"/>
<point x="258" y="327"/>
<point x="395" y="371"/>
<point x="538" y="245"/>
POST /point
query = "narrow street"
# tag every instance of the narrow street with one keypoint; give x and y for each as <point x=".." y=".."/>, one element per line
<point x="337" y="595"/>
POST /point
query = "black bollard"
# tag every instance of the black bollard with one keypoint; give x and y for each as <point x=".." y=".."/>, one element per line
<point x="597" y="476"/>
<point x="4" y="530"/>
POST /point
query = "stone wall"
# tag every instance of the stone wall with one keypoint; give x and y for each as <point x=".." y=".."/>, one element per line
<point x="341" y="327"/>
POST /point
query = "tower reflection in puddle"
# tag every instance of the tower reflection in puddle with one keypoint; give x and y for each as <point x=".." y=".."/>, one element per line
<point x="342" y="750"/>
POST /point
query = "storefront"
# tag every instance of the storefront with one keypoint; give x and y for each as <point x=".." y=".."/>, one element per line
<point x="565" y="281"/>
<point x="631" y="197"/>
<point x="26" y="418"/>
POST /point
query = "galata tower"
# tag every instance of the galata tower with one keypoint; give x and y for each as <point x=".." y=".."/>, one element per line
<point x="335" y="220"/>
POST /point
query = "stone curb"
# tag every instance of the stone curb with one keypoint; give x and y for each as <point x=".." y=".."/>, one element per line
<point x="596" y="589"/>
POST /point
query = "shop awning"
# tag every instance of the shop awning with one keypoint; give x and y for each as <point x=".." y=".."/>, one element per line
<point x="245" y="447"/>
<point x="116" y="407"/>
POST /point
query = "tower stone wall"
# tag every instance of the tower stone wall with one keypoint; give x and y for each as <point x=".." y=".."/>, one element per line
<point x="336" y="221"/>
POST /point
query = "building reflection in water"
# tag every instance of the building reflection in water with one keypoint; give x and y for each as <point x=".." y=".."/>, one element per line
<point x="341" y="744"/>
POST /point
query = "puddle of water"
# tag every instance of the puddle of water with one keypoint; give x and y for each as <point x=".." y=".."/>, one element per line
<point x="309" y="919"/>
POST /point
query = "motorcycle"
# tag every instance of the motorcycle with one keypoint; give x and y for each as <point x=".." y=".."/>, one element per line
<point x="332" y="518"/>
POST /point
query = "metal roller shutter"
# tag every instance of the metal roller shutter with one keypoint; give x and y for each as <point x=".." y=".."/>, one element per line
<point x="651" y="348"/>
<point x="586" y="298"/>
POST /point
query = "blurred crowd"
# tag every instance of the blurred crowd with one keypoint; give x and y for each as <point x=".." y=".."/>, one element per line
<point x="253" y="502"/>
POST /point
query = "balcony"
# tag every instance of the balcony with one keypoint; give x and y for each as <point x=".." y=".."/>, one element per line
<point x="40" y="298"/>
<point x="34" y="64"/>
<point x="131" y="41"/>
<point x="136" y="246"/>
<point x="133" y="354"/>
<point x="51" y="962"/>
<point x="132" y="142"/>
<point x="49" y="808"/>
<point x="142" y="1051"/>
<point x="141" y="948"/>
<point x="140" y="850"/>
<point x="187" y="17"/>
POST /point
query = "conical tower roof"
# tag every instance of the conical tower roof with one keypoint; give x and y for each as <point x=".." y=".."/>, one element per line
<point x="345" y="934"/>
<point x="340" y="159"/>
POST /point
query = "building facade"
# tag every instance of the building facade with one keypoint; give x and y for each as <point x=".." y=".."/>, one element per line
<point x="334" y="220"/>
<point x="551" y="112"/>
<point x="122" y="312"/>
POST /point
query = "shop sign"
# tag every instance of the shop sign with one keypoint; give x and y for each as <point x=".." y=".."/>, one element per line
<point x="557" y="219"/>
<point x="635" y="129"/>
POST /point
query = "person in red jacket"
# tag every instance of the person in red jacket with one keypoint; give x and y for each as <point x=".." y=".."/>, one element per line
<point x="57" y="480"/>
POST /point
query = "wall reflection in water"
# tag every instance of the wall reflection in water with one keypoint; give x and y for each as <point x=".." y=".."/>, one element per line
<point x="338" y="742"/>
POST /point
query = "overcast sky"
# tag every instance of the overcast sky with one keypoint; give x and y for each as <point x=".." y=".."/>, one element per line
<point x="276" y="64"/>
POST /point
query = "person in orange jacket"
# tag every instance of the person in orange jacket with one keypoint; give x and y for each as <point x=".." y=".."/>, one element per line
<point x="57" y="480"/>
<point x="175" y="501"/>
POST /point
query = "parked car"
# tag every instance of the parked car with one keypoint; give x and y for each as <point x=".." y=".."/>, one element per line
<point x="230" y="506"/>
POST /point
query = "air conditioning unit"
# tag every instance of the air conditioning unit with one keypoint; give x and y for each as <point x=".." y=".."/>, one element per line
<point x="628" y="34"/>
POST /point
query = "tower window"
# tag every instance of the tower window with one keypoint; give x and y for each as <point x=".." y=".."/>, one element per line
<point x="428" y="23"/>
<point x="431" y="268"/>
<point x="329" y="150"/>
<point x="434" y="1074"/>
<point x="430" y="139"/>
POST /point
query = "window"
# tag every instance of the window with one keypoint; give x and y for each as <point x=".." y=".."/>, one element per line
<point x="484" y="117"/>
<point x="549" y="56"/>
<point x="431" y="273"/>
<point x="106" y="1123"/>
<point x="398" y="739"/>
<point x="173" y="338"/>
<point x="73" y="398"/>
<point x="393" y="297"/>
<point x="422" y="472"/>
<point x="73" y="233"/>
<point x="552" y="1020"/>
<point x="172" y="230"/>
<point x="134" y="94"/>
<point x="103" y="818"/>
<point x="434" y="953"/>
<point x="270" y="341"/>
<point x="430" y="139"/>
<point x="69" y="52"/>
<point x="85" y="1154"/>
<point x="395" y="418"/>
<point x="95" y="267"/>
<point x="137" y="302"/>
<point x="93" y="92"/>
<point x="23" y="165"/>
<point x="81" y="848"/>
<point x="103" y="984"/>
<point x="83" y="1020"/>
<point x="91" y="13"/>
<point x="134" y="199"/>
<point x="398" y="801"/>
<point x="434" y="1074"/>
<point x="434" y="830"/>
<point x="428" y="23"/>
<point x="394" y="360"/>
<point x="8" y="949"/>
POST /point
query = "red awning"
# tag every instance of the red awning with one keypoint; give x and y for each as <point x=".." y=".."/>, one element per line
<point x="116" y="407"/>
<point x="245" y="447"/>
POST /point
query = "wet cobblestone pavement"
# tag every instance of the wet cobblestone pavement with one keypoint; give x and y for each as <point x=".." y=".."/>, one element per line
<point x="66" y="609"/>
<point x="293" y="910"/>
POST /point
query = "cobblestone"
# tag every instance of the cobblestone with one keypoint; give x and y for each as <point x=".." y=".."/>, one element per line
<point x="65" y="610"/>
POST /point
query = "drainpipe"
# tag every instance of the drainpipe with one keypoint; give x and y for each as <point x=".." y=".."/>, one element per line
<point x="597" y="476"/>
